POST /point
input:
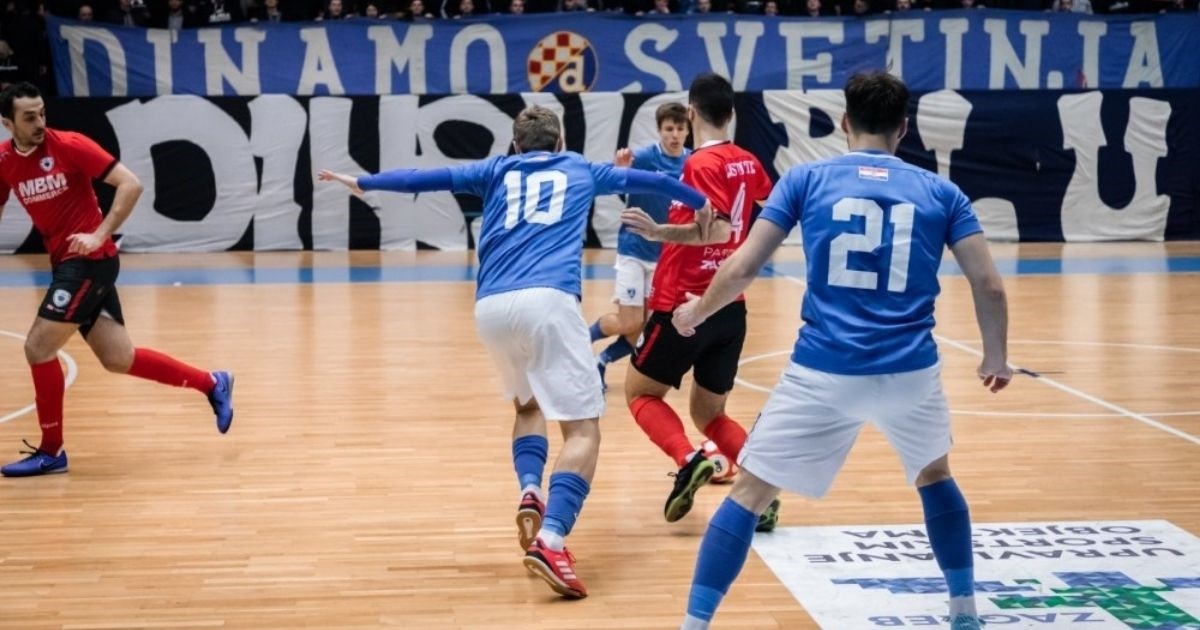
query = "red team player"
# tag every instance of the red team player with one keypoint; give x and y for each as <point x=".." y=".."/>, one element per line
<point x="51" y="173"/>
<point x="733" y="180"/>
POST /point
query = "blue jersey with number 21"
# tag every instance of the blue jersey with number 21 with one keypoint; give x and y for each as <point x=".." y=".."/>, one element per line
<point x="874" y="229"/>
<point x="535" y="211"/>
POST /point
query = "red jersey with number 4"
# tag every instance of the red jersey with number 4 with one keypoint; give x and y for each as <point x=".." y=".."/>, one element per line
<point x="733" y="180"/>
<point x="54" y="183"/>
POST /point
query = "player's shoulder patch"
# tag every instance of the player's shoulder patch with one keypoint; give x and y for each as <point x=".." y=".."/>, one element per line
<point x="873" y="173"/>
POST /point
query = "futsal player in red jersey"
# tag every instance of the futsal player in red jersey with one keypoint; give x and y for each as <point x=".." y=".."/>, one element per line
<point x="694" y="247"/>
<point x="51" y="174"/>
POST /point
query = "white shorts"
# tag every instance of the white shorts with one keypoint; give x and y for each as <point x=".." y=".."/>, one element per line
<point x="539" y="341"/>
<point x="812" y="418"/>
<point x="634" y="277"/>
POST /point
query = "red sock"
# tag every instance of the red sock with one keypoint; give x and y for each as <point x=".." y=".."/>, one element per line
<point x="663" y="426"/>
<point x="729" y="436"/>
<point x="48" y="387"/>
<point x="156" y="366"/>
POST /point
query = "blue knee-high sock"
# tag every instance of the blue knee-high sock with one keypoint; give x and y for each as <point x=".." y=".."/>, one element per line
<point x="595" y="331"/>
<point x="948" y="524"/>
<point x="616" y="351"/>
<point x="722" y="554"/>
<point x="567" y="493"/>
<point x="529" y="459"/>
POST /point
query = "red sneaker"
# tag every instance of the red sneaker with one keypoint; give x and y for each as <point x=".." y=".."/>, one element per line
<point x="557" y="568"/>
<point x="529" y="518"/>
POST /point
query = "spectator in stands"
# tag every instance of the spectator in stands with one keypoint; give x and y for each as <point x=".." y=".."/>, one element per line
<point x="971" y="4"/>
<point x="861" y="8"/>
<point x="177" y="17"/>
<point x="371" y="11"/>
<point x="333" y="11"/>
<point x="1072" y="6"/>
<point x="516" y="7"/>
<point x="813" y="8"/>
<point x="216" y="12"/>
<point x="574" y="5"/>
<point x="269" y="12"/>
<point x="901" y="6"/>
<point x="129" y="14"/>
<point x="771" y="7"/>
<point x="417" y="11"/>
<point x="703" y="7"/>
<point x="466" y="9"/>
<point x="85" y="14"/>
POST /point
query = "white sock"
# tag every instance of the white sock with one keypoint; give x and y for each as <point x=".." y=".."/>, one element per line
<point x="693" y="623"/>
<point x="551" y="539"/>
<point x="534" y="489"/>
<point x="963" y="606"/>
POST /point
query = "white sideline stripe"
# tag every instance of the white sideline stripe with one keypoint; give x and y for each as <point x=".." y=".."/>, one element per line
<point x="1059" y="386"/>
<point x="72" y="372"/>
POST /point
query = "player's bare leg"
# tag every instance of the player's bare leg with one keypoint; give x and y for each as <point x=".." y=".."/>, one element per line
<point x="948" y="524"/>
<point x="529" y="450"/>
<point x="725" y="546"/>
<point x="548" y="557"/>
<point x="111" y="344"/>
<point x="627" y="322"/>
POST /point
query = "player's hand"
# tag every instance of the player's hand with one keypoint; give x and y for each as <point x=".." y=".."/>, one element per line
<point x="640" y="223"/>
<point x="345" y="180"/>
<point x="623" y="158"/>
<point x="687" y="316"/>
<point x="995" y="374"/>
<point x="85" y="243"/>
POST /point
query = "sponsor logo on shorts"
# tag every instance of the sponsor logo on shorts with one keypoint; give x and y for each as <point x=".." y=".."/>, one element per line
<point x="631" y="292"/>
<point x="61" y="298"/>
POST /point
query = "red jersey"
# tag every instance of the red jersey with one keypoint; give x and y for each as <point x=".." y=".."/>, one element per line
<point x="54" y="183"/>
<point x="733" y="180"/>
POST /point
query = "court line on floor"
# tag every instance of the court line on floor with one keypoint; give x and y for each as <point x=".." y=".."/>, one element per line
<point x="72" y="372"/>
<point x="1084" y="395"/>
<point x="974" y="412"/>
<point x="1133" y="415"/>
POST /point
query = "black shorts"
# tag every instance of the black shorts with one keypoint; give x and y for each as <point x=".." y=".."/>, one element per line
<point x="665" y="356"/>
<point x="80" y="290"/>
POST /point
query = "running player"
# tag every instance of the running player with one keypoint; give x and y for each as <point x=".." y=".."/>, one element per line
<point x="874" y="230"/>
<point x="636" y="256"/>
<point x="535" y="209"/>
<point x="51" y="172"/>
<point x="733" y="179"/>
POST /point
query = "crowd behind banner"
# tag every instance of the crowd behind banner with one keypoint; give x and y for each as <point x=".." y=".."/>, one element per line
<point x="237" y="173"/>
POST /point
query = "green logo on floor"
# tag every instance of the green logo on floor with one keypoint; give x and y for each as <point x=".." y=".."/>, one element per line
<point x="1128" y="574"/>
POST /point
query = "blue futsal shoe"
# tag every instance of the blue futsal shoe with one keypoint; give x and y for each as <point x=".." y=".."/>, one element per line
<point x="39" y="462"/>
<point x="966" y="622"/>
<point x="221" y="399"/>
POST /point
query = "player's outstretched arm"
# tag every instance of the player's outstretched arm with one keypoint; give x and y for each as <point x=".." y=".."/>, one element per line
<point x="129" y="189"/>
<point x="735" y="274"/>
<point x="706" y="230"/>
<point x="349" y="181"/>
<point x="991" y="308"/>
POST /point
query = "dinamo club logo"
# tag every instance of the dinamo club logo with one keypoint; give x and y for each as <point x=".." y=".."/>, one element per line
<point x="563" y="62"/>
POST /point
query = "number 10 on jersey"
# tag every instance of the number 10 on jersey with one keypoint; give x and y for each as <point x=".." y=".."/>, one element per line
<point x="525" y="194"/>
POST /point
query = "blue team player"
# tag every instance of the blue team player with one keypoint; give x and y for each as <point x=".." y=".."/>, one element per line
<point x="535" y="209"/>
<point x="874" y="229"/>
<point x="636" y="256"/>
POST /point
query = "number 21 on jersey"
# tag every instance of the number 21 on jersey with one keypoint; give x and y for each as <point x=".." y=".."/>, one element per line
<point x="840" y="275"/>
<point x="525" y="195"/>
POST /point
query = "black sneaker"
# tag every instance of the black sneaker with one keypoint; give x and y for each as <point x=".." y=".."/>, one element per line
<point x="688" y="480"/>
<point x="769" y="518"/>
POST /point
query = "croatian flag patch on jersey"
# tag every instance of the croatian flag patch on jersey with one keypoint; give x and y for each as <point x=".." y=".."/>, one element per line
<point x="873" y="173"/>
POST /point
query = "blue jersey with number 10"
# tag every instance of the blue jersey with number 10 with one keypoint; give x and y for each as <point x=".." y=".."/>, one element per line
<point x="874" y="230"/>
<point x="535" y="210"/>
